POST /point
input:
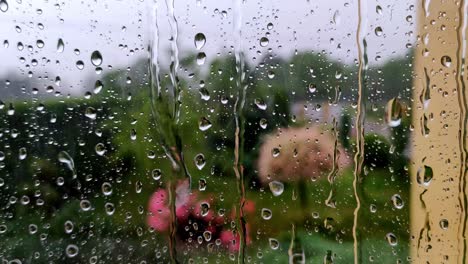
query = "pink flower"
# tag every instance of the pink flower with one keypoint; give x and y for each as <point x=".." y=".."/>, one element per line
<point x="158" y="207"/>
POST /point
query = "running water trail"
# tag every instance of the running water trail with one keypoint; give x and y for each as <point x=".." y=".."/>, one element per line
<point x="360" y="117"/>
<point x="330" y="201"/>
<point x="240" y="124"/>
<point x="461" y="92"/>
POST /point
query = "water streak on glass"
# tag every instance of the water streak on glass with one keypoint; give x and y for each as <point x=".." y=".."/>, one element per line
<point x="461" y="93"/>
<point x="241" y="88"/>
<point x="360" y="117"/>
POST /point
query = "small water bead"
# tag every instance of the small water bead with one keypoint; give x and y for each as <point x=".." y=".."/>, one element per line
<point x="80" y="65"/>
<point x="373" y="208"/>
<point x="133" y="134"/>
<point x="100" y="149"/>
<point x="204" y="208"/>
<point x="199" y="41"/>
<point x="378" y="9"/>
<point x="397" y="201"/>
<point x="264" y="41"/>
<point x="40" y="44"/>
<point x="68" y="225"/>
<point x="391" y="239"/>
<point x="96" y="58"/>
<point x="204" y="124"/>
<point x="201" y="57"/>
<point x="270" y="26"/>
<point x="424" y="176"/>
<point x="378" y="31"/>
<point x="207" y="236"/>
<point x="156" y="174"/>
<point x="444" y="224"/>
<point x="23" y="153"/>
<point x="274" y="243"/>
<point x="276" y="187"/>
<point x="32" y="229"/>
<point x="97" y="87"/>
<point x="71" y="251"/>
<point x="65" y="158"/>
<point x="3" y="229"/>
<point x="263" y="123"/>
<point x="60" y="45"/>
<point x="204" y="93"/>
<point x="312" y="88"/>
<point x="200" y="161"/>
<point x="202" y="185"/>
<point x="110" y="208"/>
<point x="393" y="112"/>
<point x="260" y="103"/>
<point x="266" y="214"/>
<point x="106" y="188"/>
<point x="91" y="113"/>
<point x="85" y="205"/>
<point x="446" y="61"/>
<point x="3" y="5"/>
<point x="275" y="152"/>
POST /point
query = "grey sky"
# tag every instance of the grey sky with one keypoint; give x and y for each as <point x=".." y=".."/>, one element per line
<point x="90" y="25"/>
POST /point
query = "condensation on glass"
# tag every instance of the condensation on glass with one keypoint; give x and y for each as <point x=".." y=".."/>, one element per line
<point x="209" y="131"/>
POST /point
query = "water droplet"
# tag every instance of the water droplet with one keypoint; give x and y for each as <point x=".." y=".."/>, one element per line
<point x="204" y="93"/>
<point x="96" y="58"/>
<point x="260" y="104"/>
<point x="60" y="46"/>
<point x="85" y="205"/>
<point x="156" y="174"/>
<point x="204" y="124"/>
<point x="207" y="236"/>
<point x="373" y="208"/>
<point x="201" y="57"/>
<point x="138" y="187"/>
<point x="424" y="175"/>
<point x="200" y="41"/>
<point x="378" y="31"/>
<point x="393" y="111"/>
<point x="68" y="225"/>
<point x="205" y="208"/>
<point x="446" y="61"/>
<point x="270" y="26"/>
<point x="392" y="239"/>
<point x="276" y="188"/>
<point x="106" y="188"/>
<point x="80" y="65"/>
<point x="202" y="185"/>
<point x="3" y="229"/>
<point x="274" y="243"/>
<point x="378" y="10"/>
<point x="312" y="88"/>
<point x="40" y="44"/>
<point x="65" y="158"/>
<point x="200" y="161"/>
<point x="397" y="201"/>
<point x="444" y="224"/>
<point x="3" y="5"/>
<point x="336" y="18"/>
<point x="266" y="214"/>
<point x="98" y="87"/>
<point x="71" y="251"/>
<point x="23" y="153"/>
<point x="264" y="42"/>
<point x="133" y="134"/>
<point x="110" y="208"/>
<point x="90" y="113"/>
<point x="275" y="152"/>
<point x="263" y="123"/>
<point x="100" y="149"/>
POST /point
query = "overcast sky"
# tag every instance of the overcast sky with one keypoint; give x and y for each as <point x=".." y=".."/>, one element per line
<point x="120" y="30"/>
